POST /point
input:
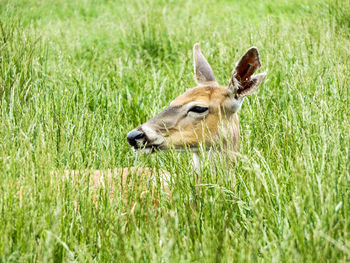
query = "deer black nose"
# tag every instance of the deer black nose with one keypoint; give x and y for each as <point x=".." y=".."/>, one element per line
<point x="133" y="136"/>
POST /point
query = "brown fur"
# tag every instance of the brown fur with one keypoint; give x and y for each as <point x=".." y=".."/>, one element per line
<point x="209" y="95"/>
<point x="208" y="130"/>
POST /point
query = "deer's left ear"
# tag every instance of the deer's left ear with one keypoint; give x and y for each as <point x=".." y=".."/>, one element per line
<point x="202" y="69"/>
<point x="242" y="82"/>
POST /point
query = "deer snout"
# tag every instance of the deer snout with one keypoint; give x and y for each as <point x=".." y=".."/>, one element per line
<point x="135" y="138"/>
<point x="145" y="137"/>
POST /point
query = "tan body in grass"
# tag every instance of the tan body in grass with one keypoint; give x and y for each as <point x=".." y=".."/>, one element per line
<point x="121" y="179"/>
<point x="205" y="115"/>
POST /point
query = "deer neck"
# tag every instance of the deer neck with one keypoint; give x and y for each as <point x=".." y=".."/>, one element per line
<point x="226" y="150"/>
<point x="196" y="162"/>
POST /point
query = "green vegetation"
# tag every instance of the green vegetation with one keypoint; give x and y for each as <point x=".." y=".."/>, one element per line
<point x="76" y="76"/>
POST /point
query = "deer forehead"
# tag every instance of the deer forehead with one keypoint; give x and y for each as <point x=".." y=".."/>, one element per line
<point x="206" y="95"/>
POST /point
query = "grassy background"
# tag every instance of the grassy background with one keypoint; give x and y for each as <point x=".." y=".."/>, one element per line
<point x="76" y="76"/>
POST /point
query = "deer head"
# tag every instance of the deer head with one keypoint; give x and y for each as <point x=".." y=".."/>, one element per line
<point x="203" y="114"/>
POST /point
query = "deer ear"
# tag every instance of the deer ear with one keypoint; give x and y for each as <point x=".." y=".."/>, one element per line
<point x="242" y="82"/>
<point x="202" y="69"/>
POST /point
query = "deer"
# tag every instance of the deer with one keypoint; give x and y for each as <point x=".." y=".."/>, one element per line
<point x="204" y="117"/>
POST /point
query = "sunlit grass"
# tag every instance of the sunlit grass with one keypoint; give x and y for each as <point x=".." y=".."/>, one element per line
<point x="76" y="76"/>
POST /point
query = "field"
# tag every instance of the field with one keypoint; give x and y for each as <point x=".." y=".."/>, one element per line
<point x="76" y="76"/>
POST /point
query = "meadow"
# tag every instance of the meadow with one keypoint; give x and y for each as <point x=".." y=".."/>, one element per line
<point x="76" y="76"/>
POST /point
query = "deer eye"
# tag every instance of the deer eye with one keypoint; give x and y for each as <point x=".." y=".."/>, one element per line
<point x="199" y="109"/>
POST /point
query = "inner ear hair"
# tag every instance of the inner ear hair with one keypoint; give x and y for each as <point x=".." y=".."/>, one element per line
<point x="251" y="86"/>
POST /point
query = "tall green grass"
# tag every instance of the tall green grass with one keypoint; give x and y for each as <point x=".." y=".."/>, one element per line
<point x="76" y="76"/>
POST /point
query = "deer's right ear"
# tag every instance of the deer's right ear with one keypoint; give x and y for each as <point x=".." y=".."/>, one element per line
<point x="242" y="82"/>
<point x="202" y="69"/>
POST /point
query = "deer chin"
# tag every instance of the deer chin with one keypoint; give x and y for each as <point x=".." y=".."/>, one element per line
<point x="149" y="149"/>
